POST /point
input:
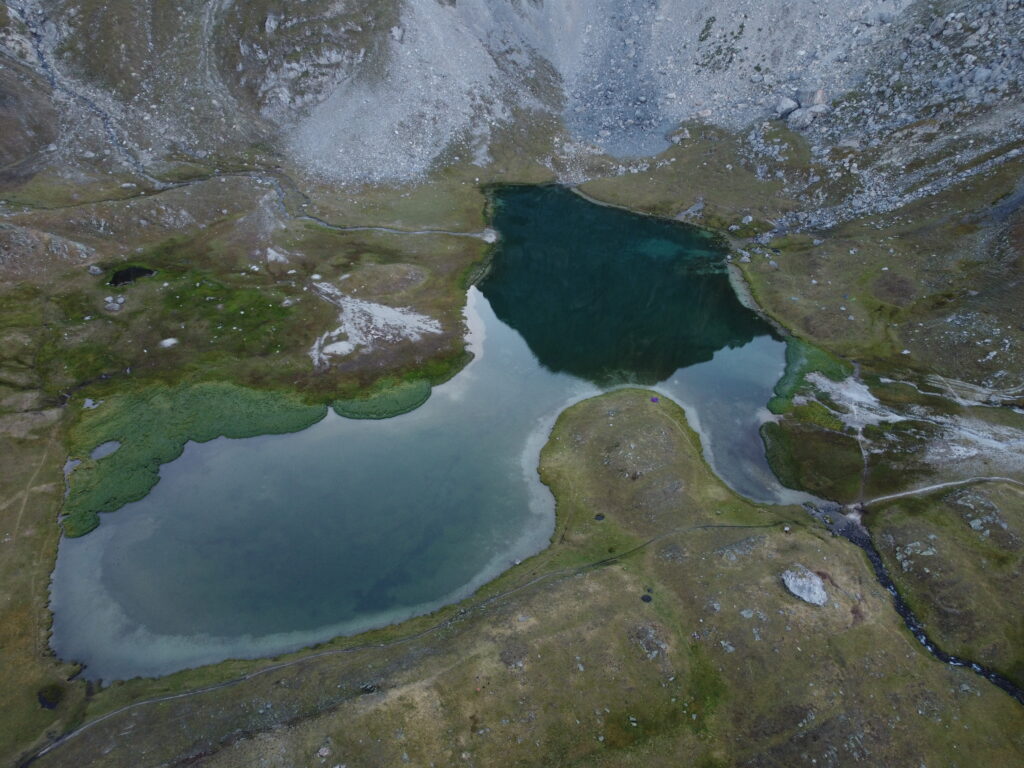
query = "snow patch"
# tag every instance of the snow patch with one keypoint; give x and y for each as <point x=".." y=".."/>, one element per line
<point x="365" y="325"/>
<point x="863" y="408"/>
<point x="963" y="445"/>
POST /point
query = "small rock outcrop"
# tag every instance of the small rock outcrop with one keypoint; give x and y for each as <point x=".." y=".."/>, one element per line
<point x="785" y="107"/>
<point x="800" y="119"/>
<point x="805" y="584"/>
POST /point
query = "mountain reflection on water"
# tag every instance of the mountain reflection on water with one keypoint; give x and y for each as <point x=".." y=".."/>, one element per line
<point x="607" y="295"/>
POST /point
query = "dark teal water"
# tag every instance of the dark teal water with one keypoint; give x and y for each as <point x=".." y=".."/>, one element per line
<point x="610" y="296"/>
<point x="259" y="546"/>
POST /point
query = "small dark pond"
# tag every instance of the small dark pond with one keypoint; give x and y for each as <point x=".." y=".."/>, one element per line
<point x="259" y="546"/>
<point x="130" y="275"/>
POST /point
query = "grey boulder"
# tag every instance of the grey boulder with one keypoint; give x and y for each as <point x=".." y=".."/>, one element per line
<point x="801" y="119"/>
<point x="785" y="106"/>
<point x="805" y="584"/>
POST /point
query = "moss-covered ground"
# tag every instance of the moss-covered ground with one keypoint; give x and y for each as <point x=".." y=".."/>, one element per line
<point x="801" y="359"/>
<point x="820" y="460"/>
<point x="390" y="398"/>
<point x="152" y="428"/>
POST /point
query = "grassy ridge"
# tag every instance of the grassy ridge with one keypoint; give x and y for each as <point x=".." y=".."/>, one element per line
<point x="153" y="427"/>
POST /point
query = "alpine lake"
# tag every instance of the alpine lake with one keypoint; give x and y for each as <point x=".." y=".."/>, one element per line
<point x="259" y="546"/>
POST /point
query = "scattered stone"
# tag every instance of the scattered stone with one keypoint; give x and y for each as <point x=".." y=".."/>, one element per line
<point x="649" y="641"/>
<point x="112" y="307"/>
<point x="94" y="270"/>
<point x="741" y="548"/>
<point x="806" y="585"/>
<point x="168" y="343"/>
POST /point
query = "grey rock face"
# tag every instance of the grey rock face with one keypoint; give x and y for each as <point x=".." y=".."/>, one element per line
<point x="806" y="585"/>
<point x="808" y="97"/>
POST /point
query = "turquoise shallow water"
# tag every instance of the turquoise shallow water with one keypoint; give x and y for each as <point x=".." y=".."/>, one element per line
<point x="259" y="546"/>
